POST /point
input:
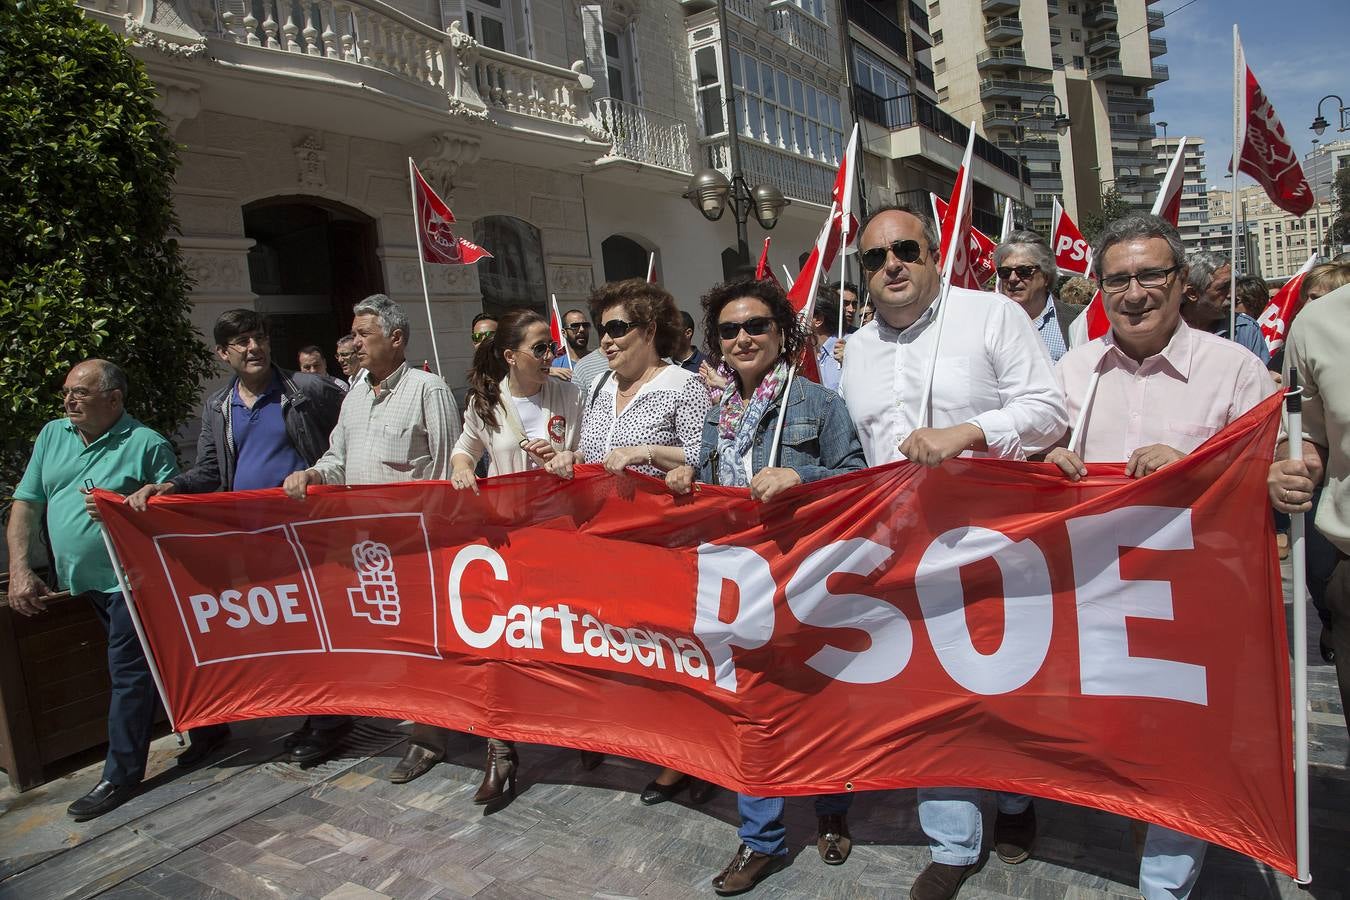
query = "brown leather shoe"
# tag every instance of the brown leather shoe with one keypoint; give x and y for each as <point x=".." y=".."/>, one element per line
<point x="1014" y="835"/>
<point x="416" y="762"/>
<point x="940" y="881"/>
<point x="499" y="779"/>
<point x="833" y="840"/>
<point x="747" y="869"/>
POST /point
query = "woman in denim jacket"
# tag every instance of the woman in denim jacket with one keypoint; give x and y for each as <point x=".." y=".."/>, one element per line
<point x="753" y="328"/>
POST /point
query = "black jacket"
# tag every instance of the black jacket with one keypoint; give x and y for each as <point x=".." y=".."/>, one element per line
<point x="309" y="406"/>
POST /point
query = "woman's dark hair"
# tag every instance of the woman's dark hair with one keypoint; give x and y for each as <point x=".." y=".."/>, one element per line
<point x="784" y="316"/>
<point x="647" y="305"/>
<point x="489" y="362"/>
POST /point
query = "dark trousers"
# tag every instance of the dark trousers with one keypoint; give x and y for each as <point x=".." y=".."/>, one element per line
<point x="131" y="709"/>
<point x="1337" y="599"/>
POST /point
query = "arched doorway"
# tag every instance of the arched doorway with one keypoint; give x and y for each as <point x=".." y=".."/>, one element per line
<point x="623" y="258"/>
<point x="313" y="260"/>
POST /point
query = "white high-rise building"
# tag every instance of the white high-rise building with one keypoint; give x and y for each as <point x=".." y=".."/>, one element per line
<point x="1194" y="189"/>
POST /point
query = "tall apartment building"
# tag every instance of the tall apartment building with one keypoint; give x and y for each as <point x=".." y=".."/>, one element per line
<point x="1194" y="189"/>
<point x="1032" y="59"/>
<point x="1321" y="166"/>
<point x="910" y="146"/>
<point x="1281" y="243"/>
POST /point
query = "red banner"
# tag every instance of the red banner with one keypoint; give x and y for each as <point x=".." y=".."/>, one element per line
<point x="981" y="252"/>
<point x="1116" y="643"/>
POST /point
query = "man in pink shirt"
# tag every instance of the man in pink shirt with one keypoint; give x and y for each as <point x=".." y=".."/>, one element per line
<point x="1162" y="389"/>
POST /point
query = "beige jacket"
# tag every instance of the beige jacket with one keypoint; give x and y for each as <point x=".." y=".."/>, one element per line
<point x="561" y="402"/>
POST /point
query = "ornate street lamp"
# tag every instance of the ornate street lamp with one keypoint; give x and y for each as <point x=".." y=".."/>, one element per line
<point x="1320" y="125"/>
<point x="1061" y="125"/>
<point x="711" y="192"/>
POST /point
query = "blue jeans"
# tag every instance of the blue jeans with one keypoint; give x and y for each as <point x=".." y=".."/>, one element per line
<point x="131" y="708"/>
<point x="1170" y="865"/>
<point x="762" y="819"/>
<point x="951" y="819"/>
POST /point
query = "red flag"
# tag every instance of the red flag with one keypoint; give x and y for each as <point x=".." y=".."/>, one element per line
<point x="981" y="251"/>
<point x="764" y="271"/>
<point x="832" y="234"/>
<point x="1263" y="151"/>
<point x="957" y="247"/>
<point x="1072" y="253"/>
<point x="1167" y="205"/>
<point x="842" y="194"/>
<point x="1279" y="315"/>
<point x="556" y="334"/>
<point x="439" y="244"/>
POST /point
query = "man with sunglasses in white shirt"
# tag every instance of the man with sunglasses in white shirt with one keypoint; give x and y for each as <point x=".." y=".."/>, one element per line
<point x="994" y="395"/>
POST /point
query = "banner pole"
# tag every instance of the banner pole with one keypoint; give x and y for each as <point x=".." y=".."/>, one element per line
<point x="1293" y="404"/>
<point x="140" y="631"/>
<point x="843" y="273"/>
<point x="422" y="267"/>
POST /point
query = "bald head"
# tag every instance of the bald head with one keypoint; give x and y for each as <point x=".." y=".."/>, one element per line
<point x="94" y="396"/>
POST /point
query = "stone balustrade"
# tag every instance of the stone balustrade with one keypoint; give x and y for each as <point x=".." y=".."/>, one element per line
<point x="644" y="135"/>
<point x="524" y="86"/>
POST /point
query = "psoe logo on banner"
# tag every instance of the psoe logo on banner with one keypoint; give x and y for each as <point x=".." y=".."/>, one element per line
<point x="240" y="594"/>
<point x="375" y="597"/>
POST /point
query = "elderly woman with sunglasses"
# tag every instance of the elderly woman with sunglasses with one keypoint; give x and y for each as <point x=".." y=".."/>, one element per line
<point x="644" y="414"/>
<point x="753" y="327"/>
<point x="522" y="418"/>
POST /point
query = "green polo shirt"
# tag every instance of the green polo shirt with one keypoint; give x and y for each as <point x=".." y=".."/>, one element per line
<point x="123" y="459"/>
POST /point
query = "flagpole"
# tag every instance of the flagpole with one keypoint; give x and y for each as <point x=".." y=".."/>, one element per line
<point x="1076" y="436"/>
<point x="1293" y="402"/>
<point x="651" y="266"/>
<point x="140" y="629"/>
<point x="843" y="273"/>
<point x="422" y="267"/>
<point x="562" y="328"/>
<point x="1238" y="87"/>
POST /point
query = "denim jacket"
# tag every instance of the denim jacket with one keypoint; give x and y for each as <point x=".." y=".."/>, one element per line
<point x="819" y="439"/>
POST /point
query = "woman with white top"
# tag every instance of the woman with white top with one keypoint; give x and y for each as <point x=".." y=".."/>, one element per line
<point x="522" y="418"/>
<point x="644" y="414"/>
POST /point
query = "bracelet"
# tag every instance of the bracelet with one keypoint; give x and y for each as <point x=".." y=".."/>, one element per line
<point x="650" y="462"/>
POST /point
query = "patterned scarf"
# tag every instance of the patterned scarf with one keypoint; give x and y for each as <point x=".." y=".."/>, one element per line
<point x="738" y="421"/>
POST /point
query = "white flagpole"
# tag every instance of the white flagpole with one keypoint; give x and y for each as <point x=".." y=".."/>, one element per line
<point x="1239" y="95"/>
<point x="1076" y="437"/>
<point x="140" y="631"/>
<point x="788" y="272"/>
<point x="1293" y="402"/>
<point x="792" y="370"/>
<point x="422" y="266"/>
<point x="843" y="275"/>
<point x="562" y="328"/>
<point x="651" y="266"/>
<point x="1007" y="228"/>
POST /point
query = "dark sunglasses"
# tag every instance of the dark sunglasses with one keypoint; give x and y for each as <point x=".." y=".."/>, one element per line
<point x="754" y="327"/>
<point x="616" y="328"/>
<point x="545" y="350"/>
<point x="905" y="251"/>
<point x="1023" y="272"/>
<point x="480" y="336"/>
<point x="578" y="326"/>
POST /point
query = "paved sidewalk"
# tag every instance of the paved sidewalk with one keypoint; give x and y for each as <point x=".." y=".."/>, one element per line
<point x="249" y="827"/>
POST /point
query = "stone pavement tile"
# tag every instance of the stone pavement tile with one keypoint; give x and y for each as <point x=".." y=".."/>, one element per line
<point x="167" y="882"/>
<point x="458" y="878"/>
<point x="234" y="880"/>
<point x="354" y="892"/>
<point x="299" y="848"/>
<point x="299" y="878"/>
<point x="251" y="831"/>
<point x="129" y="892"/>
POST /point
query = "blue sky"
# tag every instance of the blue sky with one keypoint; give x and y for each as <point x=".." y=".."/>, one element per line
<point x="1295" y="47"/>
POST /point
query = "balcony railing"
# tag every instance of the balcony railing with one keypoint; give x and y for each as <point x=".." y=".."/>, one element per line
<point x="999" y="87"/>
<point x="917" y="15"/>
<point x="924" y="74"/>
<point x="1157" y="46"/>
<point x="879" y="25"/>
<point x="526" y="87"/>
<point x="1156" y="19"/>
<point x="1000" y="58"/>
<point x="795" y="27"/>
<point x="1003" y="29"/>
<point x="1105" y="44"/>
<point x="797" y="177"/>
<point x="999" y="7"/>
<point x="1099" y="15"/>
<point x="909" y="110"/>
<point x="1105" y="68"/>
<point x="743" y="8"/>
<point x="1159" y="72"/>
<point x="644" y="135"/>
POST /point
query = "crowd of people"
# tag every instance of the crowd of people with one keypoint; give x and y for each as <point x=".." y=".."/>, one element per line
<point x="1011" y="382"/>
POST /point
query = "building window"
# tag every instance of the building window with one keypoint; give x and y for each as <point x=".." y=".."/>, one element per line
<point x="514" y="275"/>
<point x="940" y="66"/>
<point x="490" y="23"/>
<point x="935" y="9"/>
<point x="814" y="7"/>
<point x="937" y="38"/>
<point x="708" y="83"/>
<point x="1075" y="34"/>
<point x="1078" y="62"/>
<point x="619" y="65"/>
<point x="785" y="111"/>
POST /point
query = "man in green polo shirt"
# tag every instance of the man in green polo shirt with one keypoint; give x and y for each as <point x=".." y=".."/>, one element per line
<point x="96" y="445"/>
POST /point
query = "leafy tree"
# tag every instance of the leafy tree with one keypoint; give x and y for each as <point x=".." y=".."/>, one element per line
<point x="87" y="266"/>
<point x="1113" y="207"/>
<point x="1339" y="233"/>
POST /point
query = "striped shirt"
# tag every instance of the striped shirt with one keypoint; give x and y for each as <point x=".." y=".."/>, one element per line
<point x="1047" y="324"/>
<point x="405" y="433"/>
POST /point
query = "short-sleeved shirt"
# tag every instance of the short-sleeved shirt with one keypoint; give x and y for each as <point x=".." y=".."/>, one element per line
<point x="666" y="411"/>
<point x="125" y="457"/>
<point x="264" y="452"/>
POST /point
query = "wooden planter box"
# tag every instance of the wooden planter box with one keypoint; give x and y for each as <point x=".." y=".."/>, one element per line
<point x="53" y="686"/>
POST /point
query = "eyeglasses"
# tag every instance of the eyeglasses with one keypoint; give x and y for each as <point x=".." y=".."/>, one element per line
<point x="545" y="350"/>
<point x="905" y="251"/>
<point x="82" y="393"/>
<point x="578" y="326"/>
<point x="343" y="357"/>
<point x="1023" y="272"/>
<point x="1149" y="278"/>
<point x="480" y="336"/>
<point x="616" y="328"/>
<point x="754" y="327"/>
<point x="242" y="342"/>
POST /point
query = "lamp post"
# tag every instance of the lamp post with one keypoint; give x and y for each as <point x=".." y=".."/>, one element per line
<point x="1163" y="126"/>
<point x="1061" y="125"/>
<point x="1319" y="125"/>
<point x="711" y="192"/>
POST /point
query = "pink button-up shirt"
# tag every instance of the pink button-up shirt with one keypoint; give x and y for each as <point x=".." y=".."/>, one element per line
<point x="1179" y="397"/>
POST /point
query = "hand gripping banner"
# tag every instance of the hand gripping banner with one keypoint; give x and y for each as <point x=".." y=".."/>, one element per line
<point x="1117" y="643"/>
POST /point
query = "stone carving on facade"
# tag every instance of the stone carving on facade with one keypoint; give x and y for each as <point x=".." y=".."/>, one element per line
<point x="178" y="101"/>
<point x="216" y="272"/>
<point x="461" y="86"/>
<point x="405" y="278"/>
<point x="571" y="279"/>
<point x="451" y="151"/>
<point x="310" y="157"/>
<point x="142" y="36"/>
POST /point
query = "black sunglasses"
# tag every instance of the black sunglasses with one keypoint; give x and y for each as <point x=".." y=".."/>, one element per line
<point x="578" y="326"/>
<point x="754" y="327"/>
<point x="1023" y="272"/>
<point x="905" y="251"/>
<point x="616" y="328"/>
<point x="544" y="350"/>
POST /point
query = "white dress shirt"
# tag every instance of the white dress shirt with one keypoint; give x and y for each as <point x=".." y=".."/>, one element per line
<point x="992" y="372"/>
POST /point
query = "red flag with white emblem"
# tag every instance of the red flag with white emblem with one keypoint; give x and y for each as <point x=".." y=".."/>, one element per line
<point x="439" y="244"/>
<point x="981" y="251"/>
<point x="1167" y="205"/>
<point x="1072" y="254"/>
<point x="1263" y="151"/>
<point x="1279" y="315"/>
